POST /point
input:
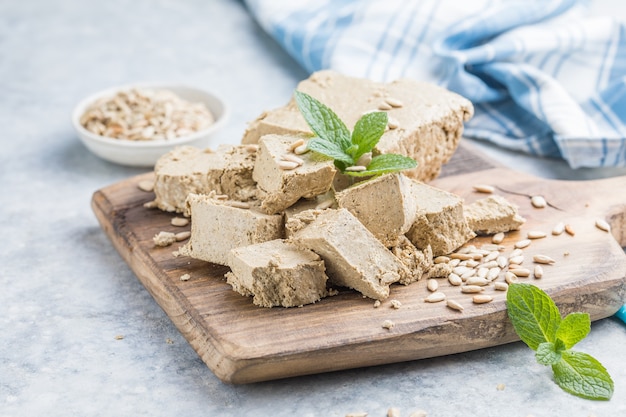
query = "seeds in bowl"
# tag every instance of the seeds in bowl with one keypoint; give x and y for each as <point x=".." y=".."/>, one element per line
<point x="145" y="114"/>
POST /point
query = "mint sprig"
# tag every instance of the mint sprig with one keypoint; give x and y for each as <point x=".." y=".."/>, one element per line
<point x="537" y="321"/>
<point x="334" y="140"/>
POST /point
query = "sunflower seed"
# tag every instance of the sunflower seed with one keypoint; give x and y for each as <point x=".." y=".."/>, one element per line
<point x="384" y="106"/>
<point x="471" y="289"/>
<point x="325" y="204"/>
<point x="454" y="305"/>
<point x="292" y="158"/>
<point x="251" y="148"/>
<point x="287" y="165"/>
<point x="454" y="263"/>
<point x="432" y="285"/>
<point x="180" y="236"/>
<point x="494" y="273"/>
<point x="501" y="286"/>
<point x="510" y="277"/>
<point x="497" y="238"/>
<point x="603" y="225"/>
<point x="484" y="188"/>
<point x="356" y="168"/>
<point x="455" y="280"/>
<point x="394" y="102"/>
<point x="558" y="229"/>
<point x="482" y="272"/>
<point x="543" y="259"/>
<point x="468" y="274"/>
<point x="393" y="412"/>
<point x="435" y="297"/>
<point x="536" y="234"/>
<point x="538" y="201"/>
<point x="493" y="255"/>
<point x="516" y="252"/>
<point x="482" y="299"/>
<point x="295" y="144"/>
<point x="492" y="247"/>
<point x="538" y="271"/>
<point x="502" y="261"/>
<point x="179" y="221"/>
<point x="522" y="244"/>
<point x="238" y="204"/>
<point x="569" y="230"/>
<point x="518" y="260"/>
<point x="301" y="150"/>
<point x="521" y="272"/>
<point x="490" y="264"/>
<point x="441" y="260"/>
<point x="392" y="123"/>
<point x="146" y="185"/>
<point x="461" y="256"/>
<point x="479" y="281"/>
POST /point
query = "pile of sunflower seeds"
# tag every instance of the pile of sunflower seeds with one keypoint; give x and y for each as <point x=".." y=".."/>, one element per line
<point x="144" y="114"/>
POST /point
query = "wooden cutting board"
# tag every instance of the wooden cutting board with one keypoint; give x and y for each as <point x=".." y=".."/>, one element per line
<point x="242" y="343"/>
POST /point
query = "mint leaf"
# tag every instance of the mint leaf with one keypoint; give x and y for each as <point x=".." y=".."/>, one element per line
<point x="367" y="132"/>
<point x="323" y="121"/>
<point x="384" y="164"/>
<point x="547" y="354"/>
<point x="580" y="374"/>
<point x="574" y="328"/>
<point x="534" y="315"/>
<point x="329" y="149"/>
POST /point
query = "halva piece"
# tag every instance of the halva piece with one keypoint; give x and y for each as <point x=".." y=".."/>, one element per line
<point x="281" y="187"/>
<point x="492" y="215"/>
<point x="218" y="227"/>
<point x="187" y="169"/>
<point x="439" y="221"/>
<point x="385" y="205"/>
<point x="277" y="273"/>
<point x="427" y="119"/>
<point x="354" y="258"/>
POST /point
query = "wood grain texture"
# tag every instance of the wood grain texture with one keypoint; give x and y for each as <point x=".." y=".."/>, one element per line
<point x="242" y="343"/>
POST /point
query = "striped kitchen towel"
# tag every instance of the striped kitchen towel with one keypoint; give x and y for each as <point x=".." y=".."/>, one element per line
<point x="544" y="78"/>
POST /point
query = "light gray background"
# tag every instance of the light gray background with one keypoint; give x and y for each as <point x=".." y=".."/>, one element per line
<point x="66" y="293"/>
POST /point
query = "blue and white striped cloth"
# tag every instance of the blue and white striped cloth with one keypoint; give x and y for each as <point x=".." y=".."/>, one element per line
<point x="544" y="78"/>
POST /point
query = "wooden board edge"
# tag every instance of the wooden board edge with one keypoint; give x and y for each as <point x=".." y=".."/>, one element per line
<point x="168" y="297"/>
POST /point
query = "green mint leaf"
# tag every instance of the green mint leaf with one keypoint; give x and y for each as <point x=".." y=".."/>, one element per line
<point x="323" y="121"/>
<point x="547" y="354"/>
<point x="367" y="132"/>
<point x="330" y="149"/>
<point x="574" y="328"/>
<point x="580" y="374"/>
<point x="384" y="164"/>
<point x="534" y="315"/>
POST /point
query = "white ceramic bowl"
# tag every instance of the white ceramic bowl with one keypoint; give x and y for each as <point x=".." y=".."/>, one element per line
<point x="145" y="153"/>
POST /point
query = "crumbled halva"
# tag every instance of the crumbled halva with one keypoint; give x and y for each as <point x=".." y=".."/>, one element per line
<point x="187" y="169"/>
<point x="417" y="261"/>
<point x="428" y="118"/>
<point x="492" y="214"/>
<point x="439" y="221"/>
<point x="354" y="258"/>
<point x="386" y="205"/>
<point x="218" y="227"/>
<point x="281" y="188"/>
<point x="277" y="273"/>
